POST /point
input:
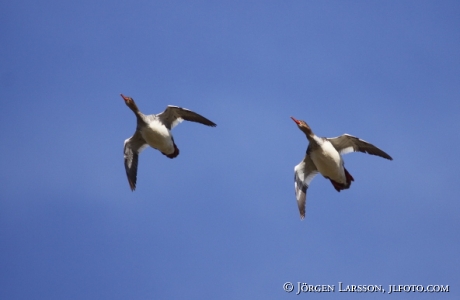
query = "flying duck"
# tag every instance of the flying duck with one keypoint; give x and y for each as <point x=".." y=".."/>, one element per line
<point x="155" y="131"/>
<point x="324" y="155"/>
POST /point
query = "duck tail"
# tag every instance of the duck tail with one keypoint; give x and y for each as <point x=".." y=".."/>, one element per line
<point x="174" y="154"/>
<point x="343" y="186"/>
<point x="348" y="177"/>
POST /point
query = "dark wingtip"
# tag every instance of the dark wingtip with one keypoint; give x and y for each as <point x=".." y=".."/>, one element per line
<point x="132" y="186"/>
<point x="385" y="155"/>
<point x="210" y="123"/>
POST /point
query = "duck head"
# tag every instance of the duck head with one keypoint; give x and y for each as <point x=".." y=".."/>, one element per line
<point x="130" y="103"/>
<point x="303" y="126"/>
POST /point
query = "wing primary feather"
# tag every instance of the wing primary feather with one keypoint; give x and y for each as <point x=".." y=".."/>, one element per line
<point x="304" y="173"/>
<point x="347" y="143"/>
<point x="133" y="146"/>
<point x="173" y="115"/>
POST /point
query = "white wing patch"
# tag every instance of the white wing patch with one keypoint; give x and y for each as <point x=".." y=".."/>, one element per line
<point x="132" y="147"/>
<point x="176" y="122"/>
<point x="304" y="173"/>
<point x="347" y="150"/>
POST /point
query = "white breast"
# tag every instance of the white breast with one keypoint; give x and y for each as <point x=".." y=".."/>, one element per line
<point x="158" y="137"/>
<point x="329" y="162"/>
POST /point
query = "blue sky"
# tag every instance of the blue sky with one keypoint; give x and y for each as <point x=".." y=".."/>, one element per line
<point x="221" y="220"/>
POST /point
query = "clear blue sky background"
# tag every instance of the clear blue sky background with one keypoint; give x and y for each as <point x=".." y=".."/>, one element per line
<point x="221" y="221"/>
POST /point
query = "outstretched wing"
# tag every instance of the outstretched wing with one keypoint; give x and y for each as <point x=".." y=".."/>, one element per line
<point x="133" y="146"/>
<point x="303" y="175"/>
<point x="173" y="115"/>
<point x="347" y="143"/>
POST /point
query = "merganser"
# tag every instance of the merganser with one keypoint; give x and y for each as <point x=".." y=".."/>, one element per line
<point x="324" y="155"/>
<point x="155" y="131"/>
